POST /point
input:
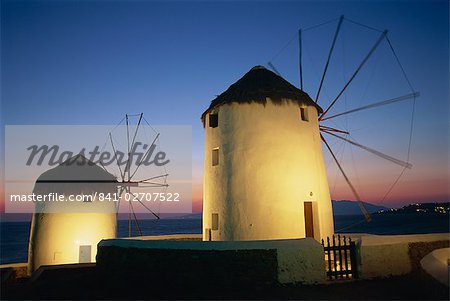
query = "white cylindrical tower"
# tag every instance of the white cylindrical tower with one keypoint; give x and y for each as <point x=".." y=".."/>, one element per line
<point x="68" y="230"/>
<point x="264" y="173"/>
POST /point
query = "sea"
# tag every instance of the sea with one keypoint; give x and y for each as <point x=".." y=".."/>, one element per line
<point x="14" y="235"/>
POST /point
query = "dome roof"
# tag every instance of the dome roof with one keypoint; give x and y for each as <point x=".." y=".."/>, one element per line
<point x="257" y="85"/>
<point x="77" y="169"/>
<point x="77" y="174"/>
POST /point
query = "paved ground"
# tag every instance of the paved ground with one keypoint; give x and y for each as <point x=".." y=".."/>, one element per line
<point x="87" y="283"/>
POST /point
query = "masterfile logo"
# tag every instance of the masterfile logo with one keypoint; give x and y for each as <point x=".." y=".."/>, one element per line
<point x="84" y="165"/>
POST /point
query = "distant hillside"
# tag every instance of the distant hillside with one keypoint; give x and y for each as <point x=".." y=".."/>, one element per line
<point x="339" y="208"/>
<point x="352" y="208"/>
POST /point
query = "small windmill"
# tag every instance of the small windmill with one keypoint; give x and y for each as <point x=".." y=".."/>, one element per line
<point x="128" y="176"/>
<point x="326" y="115"/>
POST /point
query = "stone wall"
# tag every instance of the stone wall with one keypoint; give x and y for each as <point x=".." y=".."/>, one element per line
<point x="183" y="259"/>
<point x="384" y="256"/>
<point x="212" y="263"/>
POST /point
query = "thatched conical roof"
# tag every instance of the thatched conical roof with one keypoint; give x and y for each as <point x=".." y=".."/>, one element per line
<point x="256" y="86"/>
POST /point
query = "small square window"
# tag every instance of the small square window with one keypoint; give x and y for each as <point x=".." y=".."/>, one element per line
<point x="304" y="114"/>
<point x="215" y="157"/>
<point x="215" y="221"/>
<point x="213" y="120"/>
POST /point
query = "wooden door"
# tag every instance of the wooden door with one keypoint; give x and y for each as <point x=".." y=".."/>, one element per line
<point x="309" y="221"/>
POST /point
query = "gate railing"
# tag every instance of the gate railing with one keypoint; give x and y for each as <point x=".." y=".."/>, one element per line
<point x="340" y="258"/>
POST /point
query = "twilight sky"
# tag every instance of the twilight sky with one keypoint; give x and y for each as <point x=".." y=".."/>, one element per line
<point x="90" y="62"/>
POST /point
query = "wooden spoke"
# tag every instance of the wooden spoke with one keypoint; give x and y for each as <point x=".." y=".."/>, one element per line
<point x="355" y="193"/>
<point x="155" y="177"/>
<point x="121" y="189"/>
<point x="122" y="174"/>
<point x="148" y="209"/>
<point x="329" y="57"/>
<point x="377" y="104"/>
<point x="145" y="155"/>
<point x="128" y="166"/>
<point x="128" y="144"/>
<point x="152" y="183"/>
<point x="300" y="68"/>
<point x="135" y="218"/>
<point x="327" y="128"/>
<point x="374" y="47"/>
<point x="129" y="215"/>
<point x="373" y="151"/>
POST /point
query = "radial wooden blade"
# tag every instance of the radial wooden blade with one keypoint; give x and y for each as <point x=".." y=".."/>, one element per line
<point x="135" y="218"/>
<point x="151" y="184"/>
<point x="373" y="151"/>
<point x="375" y="46"/>
<point x="329" y="57"/>
<point x="122" y="174"/>
<point x="145" y="155"/>
<point x="155" y="177"/>
<point x="377" y="104"/>
<point x="331" y="129"/>
<point x="151" y="211"/>
<point x="355" y="193"/>
<point x="121" y="190"/>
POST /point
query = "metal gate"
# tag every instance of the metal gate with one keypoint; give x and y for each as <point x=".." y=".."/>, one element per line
<point x="340" y="258"/>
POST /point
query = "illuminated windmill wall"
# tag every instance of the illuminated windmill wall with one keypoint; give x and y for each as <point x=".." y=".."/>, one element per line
<point x="69" y="231"/>
<point x="264" y="172"/>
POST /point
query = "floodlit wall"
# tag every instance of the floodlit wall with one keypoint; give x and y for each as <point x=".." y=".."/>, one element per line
<point x="269" y="163"/>
<point x="390" y="255"/>
<point x="437" y="264"/>
<point x="188" y="236"/>
<point x="213" y="263"/>
<point x="60" y="238"/>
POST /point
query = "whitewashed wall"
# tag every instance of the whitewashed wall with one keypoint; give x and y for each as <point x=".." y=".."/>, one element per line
<point x="389" y="255"/>
<point x="56" y="238"/>
<point x="270" y="162"/>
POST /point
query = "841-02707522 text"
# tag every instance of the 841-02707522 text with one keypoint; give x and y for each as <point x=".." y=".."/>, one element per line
<point x="95" y="196"/>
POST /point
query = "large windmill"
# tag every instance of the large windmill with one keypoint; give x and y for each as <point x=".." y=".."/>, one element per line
<point x="264" y="174"/>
